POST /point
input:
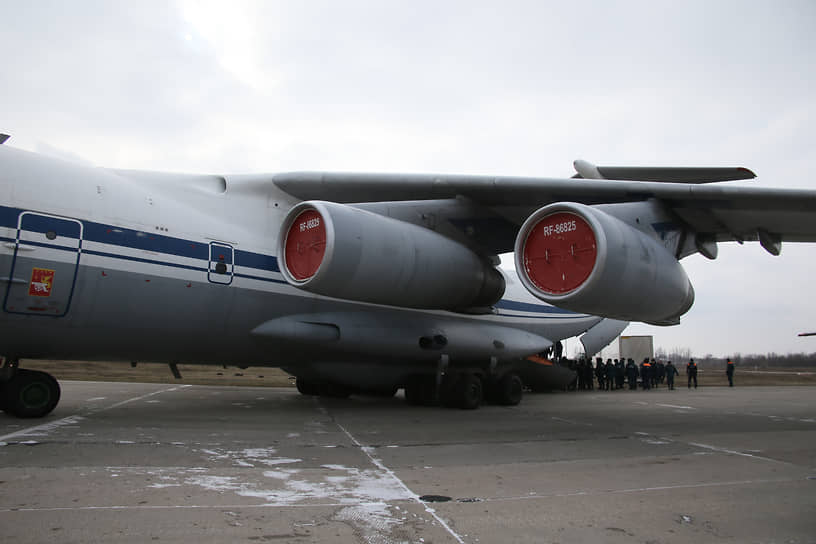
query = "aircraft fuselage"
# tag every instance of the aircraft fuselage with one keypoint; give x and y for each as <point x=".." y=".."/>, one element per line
<point x="136" y="266"/>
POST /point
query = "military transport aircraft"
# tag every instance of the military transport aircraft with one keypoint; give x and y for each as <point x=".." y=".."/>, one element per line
<point x="354" y="283"/>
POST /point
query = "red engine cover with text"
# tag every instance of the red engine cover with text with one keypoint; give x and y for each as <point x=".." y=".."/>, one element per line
<point x="305" y="245"/>
<point x="560" y="253"/>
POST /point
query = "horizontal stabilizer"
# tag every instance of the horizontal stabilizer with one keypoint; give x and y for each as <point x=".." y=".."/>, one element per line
<point x="587" y="170"/>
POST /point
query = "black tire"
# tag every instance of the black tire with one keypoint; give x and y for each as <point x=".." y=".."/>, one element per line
<point x="468" y="392"/>
<point x="31" y="394"/>
<point x="305" y="387"/>
<point x="509" y="390"/>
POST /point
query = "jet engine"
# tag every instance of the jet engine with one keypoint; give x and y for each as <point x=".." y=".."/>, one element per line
<point x="344" y="252"/>
<point x="583" y="259"/>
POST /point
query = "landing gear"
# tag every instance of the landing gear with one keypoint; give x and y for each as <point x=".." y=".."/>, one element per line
<point x="29" y="394"/>
<point x="507" y="390"/>
<point x="460" y="390"/>
<point x="306" y="388"/>
<point x="322" y="389"/>
<point x="467" y="393"/>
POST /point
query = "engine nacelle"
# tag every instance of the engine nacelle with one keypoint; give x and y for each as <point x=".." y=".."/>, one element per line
<point x="583" y="259"/>
<point x="344" y="252"/>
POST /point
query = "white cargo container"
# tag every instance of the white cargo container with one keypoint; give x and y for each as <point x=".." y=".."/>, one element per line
<point x="636" y="347"/>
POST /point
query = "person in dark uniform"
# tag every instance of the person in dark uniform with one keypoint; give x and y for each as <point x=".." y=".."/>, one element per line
<point x="729" y="371"/>
<point x="691" y="370"/>
<point x="620" y="373"/>
<point x="631" y="374"/>
<point x="640" y="374"/>
<point x="588" y="380"/>
<point x="660" y="373"/>
<point x="610" y="375"/>
<point x="581" y="370"/>
<point x="600" y="372"/>
<point x="671" y="372"/>
<point x="646" y="374"/>
<point x="653" y="371"/>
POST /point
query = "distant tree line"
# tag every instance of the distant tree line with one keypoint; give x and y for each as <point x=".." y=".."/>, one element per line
<point x="769" y="360"/>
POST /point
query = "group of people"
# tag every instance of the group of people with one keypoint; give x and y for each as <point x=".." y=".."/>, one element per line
<point x="619" y="374"/>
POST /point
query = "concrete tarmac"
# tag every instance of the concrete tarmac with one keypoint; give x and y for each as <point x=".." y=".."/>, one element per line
<point x="119" y="462"/>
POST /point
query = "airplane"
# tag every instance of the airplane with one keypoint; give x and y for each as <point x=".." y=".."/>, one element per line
<point x="354" y="283"/>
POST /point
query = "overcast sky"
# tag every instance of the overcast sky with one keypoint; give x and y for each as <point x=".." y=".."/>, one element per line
<point x="510" y="88"/>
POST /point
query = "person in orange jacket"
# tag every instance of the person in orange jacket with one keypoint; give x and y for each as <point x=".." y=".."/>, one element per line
<point x="646" y="374"/>
<point x="691" y="371"/>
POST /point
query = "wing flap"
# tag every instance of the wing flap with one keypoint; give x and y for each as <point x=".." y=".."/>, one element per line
<point x="664" y="174"/>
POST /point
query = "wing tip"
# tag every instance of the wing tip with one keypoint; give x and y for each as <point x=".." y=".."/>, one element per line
<point x="749" y="174"/>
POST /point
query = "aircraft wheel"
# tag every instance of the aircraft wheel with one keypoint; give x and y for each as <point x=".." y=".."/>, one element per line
<point x="30" y="394"/>
<point x="305" y="387"/>
<point x="468" y="393"/>
<point x="509" y="390"/>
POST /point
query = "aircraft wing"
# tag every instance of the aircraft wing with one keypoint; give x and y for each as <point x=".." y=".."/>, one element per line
<point x="726" y="213"/>
<point x="593" y="245"/>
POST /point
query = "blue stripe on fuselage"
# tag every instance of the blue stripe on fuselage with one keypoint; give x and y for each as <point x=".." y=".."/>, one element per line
<point x="149" y="241"/>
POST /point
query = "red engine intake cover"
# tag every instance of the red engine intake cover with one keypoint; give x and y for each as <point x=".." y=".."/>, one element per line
<point x="305" y="245"/>
<point x="560" y="253"/>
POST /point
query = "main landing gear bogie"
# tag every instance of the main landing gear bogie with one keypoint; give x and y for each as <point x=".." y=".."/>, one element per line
<point x="28" y="393"/>
<point x="465" y="390"/>
<point x="506" y="390"/>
